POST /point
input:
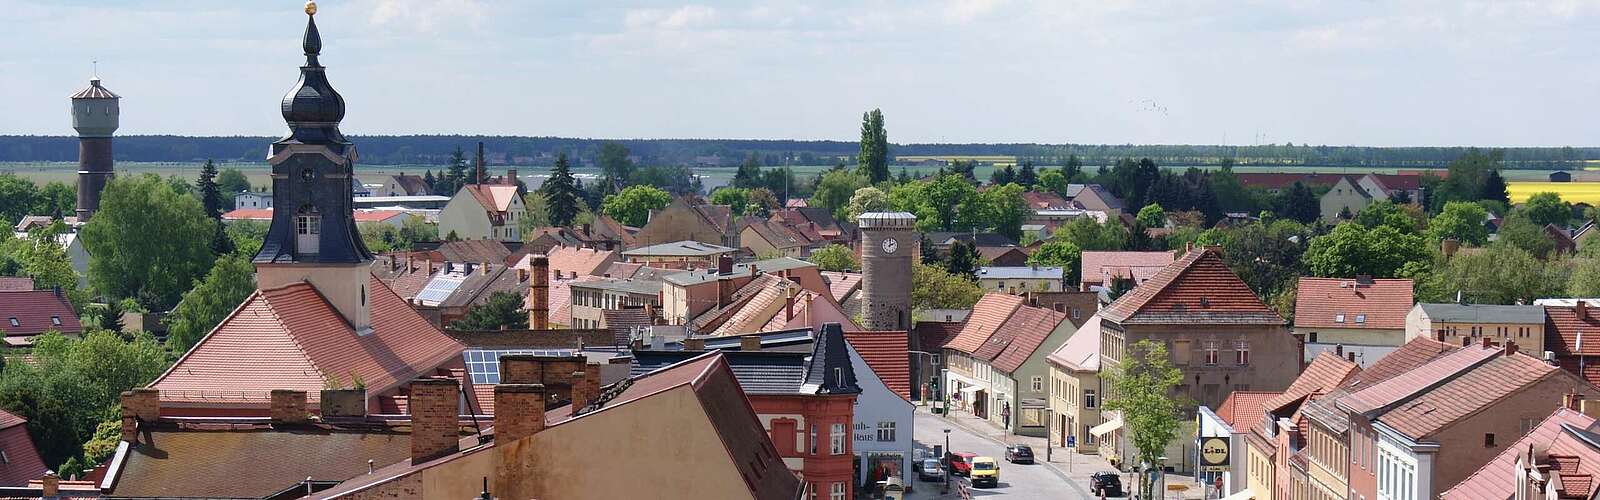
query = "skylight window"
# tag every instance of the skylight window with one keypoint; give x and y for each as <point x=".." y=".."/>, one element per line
<point x="1338" y="318"/>
<point x="14" y="321"/>
<point x="1361" y="318"/>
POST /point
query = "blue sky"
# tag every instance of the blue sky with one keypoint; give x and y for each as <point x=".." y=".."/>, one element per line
<point x="1425" y="72"/>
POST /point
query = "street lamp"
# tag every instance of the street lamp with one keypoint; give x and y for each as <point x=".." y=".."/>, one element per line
<point x="947" y="468"/>
<point x="931" y="361"/>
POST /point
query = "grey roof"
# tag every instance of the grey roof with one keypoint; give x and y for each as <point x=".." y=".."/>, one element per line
<point x="1483" y="313"/>
<point x="641" y="287"/>
<point x="828" y="370"/>
<point x="1020" y="272"/>
<point x="758" y="372"/>
<point x="978" y="239"/>
<point x="681" y="248"/>
<point x="742" y="269"/>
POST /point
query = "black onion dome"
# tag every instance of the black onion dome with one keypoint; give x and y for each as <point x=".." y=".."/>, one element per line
<point x="313" y="108"/>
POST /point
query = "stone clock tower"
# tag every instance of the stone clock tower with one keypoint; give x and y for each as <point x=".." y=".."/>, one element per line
<point x="888" y="240"/>
<point x="313" y="236"/>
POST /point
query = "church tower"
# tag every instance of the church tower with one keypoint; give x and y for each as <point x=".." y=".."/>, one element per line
<point x="313" y="236"/>
<point x="888" y="239"/>
<point x="95" y="114"/>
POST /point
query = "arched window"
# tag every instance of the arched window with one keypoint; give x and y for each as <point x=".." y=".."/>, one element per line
<point x="307" y="230"/>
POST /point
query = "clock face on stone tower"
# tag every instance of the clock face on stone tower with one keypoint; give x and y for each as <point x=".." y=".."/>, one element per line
<point x="890" y="245"/>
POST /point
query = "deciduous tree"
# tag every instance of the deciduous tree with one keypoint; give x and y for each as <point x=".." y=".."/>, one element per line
<point x="1152" y="216"/>
<point x="1461" y="220"/>
<point x="834" y="191"/>
<point x="1062" y="254"/>
<point x="633" y="204"/>
<point x="872" y="161"/>
<point x="212" y="299"/>
<point x="1547" y="208"/>
<point x="1142" y="390"/>
<point x="834" y="257"/>
<point x="867" y="199"/>
<point x="147" y="242"/>
<point x="503" y="310"/>
<point x="934" y="288"/>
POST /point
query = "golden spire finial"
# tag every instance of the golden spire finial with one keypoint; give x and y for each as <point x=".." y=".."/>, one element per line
<point x="311" y="8"/>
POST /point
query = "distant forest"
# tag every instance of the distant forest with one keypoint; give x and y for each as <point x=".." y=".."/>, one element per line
<point x="540" y="151"/>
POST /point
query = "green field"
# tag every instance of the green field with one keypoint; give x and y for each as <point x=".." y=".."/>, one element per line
<point x="43" y="172"/>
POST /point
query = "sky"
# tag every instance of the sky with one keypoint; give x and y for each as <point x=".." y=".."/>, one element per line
<point x="1338" y="72"/>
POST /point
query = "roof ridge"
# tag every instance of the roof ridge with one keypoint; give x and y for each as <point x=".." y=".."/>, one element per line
<point x="277" y="317"/>
<point x="254" y="295"/>
<point x="1480" y="408"/>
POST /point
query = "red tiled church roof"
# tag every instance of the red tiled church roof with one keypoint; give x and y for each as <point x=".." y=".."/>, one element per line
<point x="1197" y="289"/>
<point x="291" y="338"/>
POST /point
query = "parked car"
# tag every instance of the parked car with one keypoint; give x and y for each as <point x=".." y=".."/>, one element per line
<point x="1019" y="454"/>
<point x="1107" y="484"/>
<point x="960" y="462"/>
<point x="985" y="471"/>
<point x="930" y="470"/>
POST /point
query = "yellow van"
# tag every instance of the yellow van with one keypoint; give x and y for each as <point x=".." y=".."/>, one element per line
<point x="985" y="472"/>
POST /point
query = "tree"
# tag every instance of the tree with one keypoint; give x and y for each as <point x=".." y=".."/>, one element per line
<point x="1351" y="249"/>
<point x="873" y="159"/>
<point x="1091" y="235"/>
<point x="1301" y="204"/>
<point x="1052" y="181"/>
<point x="1502" y="274"/>
<point x="999" y="208"/>
<point x="72" y="386"/>
<point x="1062" y="254"/>
<point x="1547" y="208"/>
<point x="615" y="167"/>
<point x="56" y="199"/>
<point x="734" y="198"/>
<point x="749" y="173"/>
<point x="1406" y="218"/>
<point x="1027" y="177"/>
<point x="147" y="242"/>
<point x="230" y="183"/>
<point x="1585" y="281"/>
<point x="210" y="193"/>
<point x="41" y="257"/>
<point x="963" y="260"/>
<point x="1494" y="188"/>
<point x="941" y="201"/>
<point x="455" y="174"/>
<point x="834" y="257"/>
<point x="835" y="189"/>
<point x="1462" y="221"/>
<point x="1267" y="257"/>
<point x="502" y="311"/>
<point x="1142" y="390"/>
<point x="867" y="199"/>
<point x="16" y="197"/>
<point x="934" y="288"/>
<point x="212" y="299"/>
<point x="246" y="235"/>
<point x="1003" y="175"/>
<point x="1518" y="231"/>
<point x="632" y="206"/>
<point x="1152" y="216"/>
<point x="759" y="202"/>
<point x="560" y="193"/>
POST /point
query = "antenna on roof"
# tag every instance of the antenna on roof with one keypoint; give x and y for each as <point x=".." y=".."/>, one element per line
<point x="461" y="388"/>
<point x="94" y="70"/>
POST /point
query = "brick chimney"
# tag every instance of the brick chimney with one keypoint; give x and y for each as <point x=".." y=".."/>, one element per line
<point x="50" y="486"/>
<point x="1572" y="401"/>
<point x="1338" y="350"/>
<point x="750" y="343"/>
<point x="141" y="404"/>
<point x="1581" y="308"/>
<point x="1466" y="341"/>
<point x="521" y="369"/>
<point x="694" y="344"/>
<point x="511" y="177"/>
<point x="539" y="293"/>
<point x="288" y="406"/>
<point x="434" y="411"/>
<point x="585" y="386"/>
<point x="1510" y="348"/>
<point x="1487" y="344"/>
<point x="343" y="403"/>
<point x="518" y="411"/>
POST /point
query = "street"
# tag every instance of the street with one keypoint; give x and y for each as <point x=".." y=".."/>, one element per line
<point x="1016" y="481"/>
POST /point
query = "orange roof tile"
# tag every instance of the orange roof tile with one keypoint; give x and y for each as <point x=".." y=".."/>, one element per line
<point x="1496" y="480"/>
<point x="987" y="315"/>
<point x="1081" y="351"/>
<point x="1029" y="328"/>
<point x="291" y="338"/>
<point x="1344" y="303"/>
<point x="1243" y="409"/>
<point x="887" y="354"/>
<point x="1096" y="266"/>
<point x="1197" y="289"/>
<point x="1325" y="373"/>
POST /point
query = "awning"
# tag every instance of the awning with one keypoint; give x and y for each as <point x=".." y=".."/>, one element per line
<point x="1244" y="494"/>
<point x="1106" y="428"/>
<point x="970" y="389"/>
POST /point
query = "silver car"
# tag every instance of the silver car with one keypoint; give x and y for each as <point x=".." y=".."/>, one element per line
<point x="930" y="470"/>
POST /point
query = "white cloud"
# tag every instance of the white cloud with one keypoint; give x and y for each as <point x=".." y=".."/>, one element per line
<point x="688" y="16"/>
<point x="963" y="11"/>
<point x="423" y="17"/>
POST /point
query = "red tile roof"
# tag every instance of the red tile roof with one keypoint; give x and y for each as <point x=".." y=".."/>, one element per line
<point x="987" y="315"/>
<point x="1030" y="326"/>
<point x="1412" y="354"/>
<point x="886" y="354"/>
<point x="1038" y="200"/>
<point x="1140" y="266"/>
<point x="567" y="260"/>
<point x="15" y="284"/>
<point x="22" y="459"/>
<point x="933" y="335"/>
<point x="1325" y="373"/>
<point x="1406" y="385"/>
<point x="1243" y="409"/>
<point x="841" y="284"/>
<point x="291" y="338"/>
<point x="1563" y="327"/>
<point x="36" y="312"/>
<point x="1496" y="480"/>
<point x="1197" y="289"/>
<point x="1343" y="303"/>
<point x="495" y="198"/>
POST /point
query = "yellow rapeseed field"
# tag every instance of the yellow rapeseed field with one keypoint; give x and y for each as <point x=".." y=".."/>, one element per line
<point x="1571" y="192"/>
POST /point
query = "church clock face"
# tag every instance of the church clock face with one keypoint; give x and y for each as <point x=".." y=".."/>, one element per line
<point x="890" y="245"/>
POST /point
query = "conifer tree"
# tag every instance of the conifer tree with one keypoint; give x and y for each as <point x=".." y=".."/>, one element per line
<point x="210" y="194"/>
<point x="561" y="193"/>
